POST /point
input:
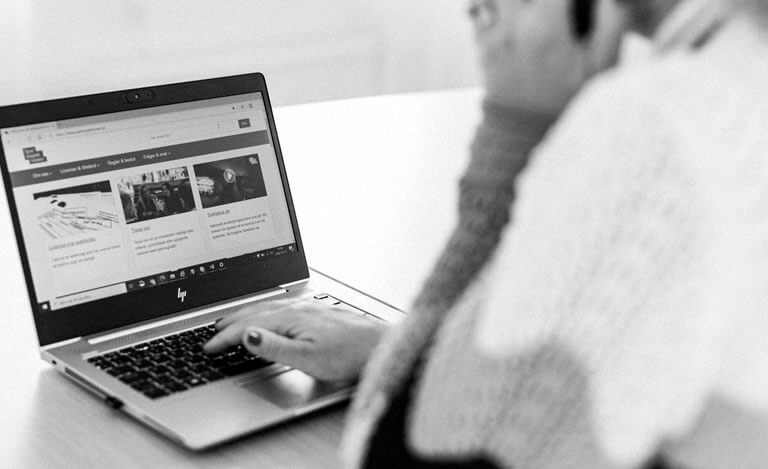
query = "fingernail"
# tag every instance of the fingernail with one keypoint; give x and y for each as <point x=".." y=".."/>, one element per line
<point x="254" y="338"/>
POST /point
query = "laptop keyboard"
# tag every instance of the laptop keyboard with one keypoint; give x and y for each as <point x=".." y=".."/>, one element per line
<point x="175" y="363"/>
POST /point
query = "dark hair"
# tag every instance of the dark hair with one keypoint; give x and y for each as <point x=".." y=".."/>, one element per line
<point x="583" y="13"/>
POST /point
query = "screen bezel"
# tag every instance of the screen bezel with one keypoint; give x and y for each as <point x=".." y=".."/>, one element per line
<point x="157" y="302"/>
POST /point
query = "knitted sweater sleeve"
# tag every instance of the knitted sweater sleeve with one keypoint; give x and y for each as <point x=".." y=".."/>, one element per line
<point x="499" y="152"/>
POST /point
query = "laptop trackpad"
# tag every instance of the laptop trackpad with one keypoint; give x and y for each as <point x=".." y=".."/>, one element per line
<point x="293" y="389"/>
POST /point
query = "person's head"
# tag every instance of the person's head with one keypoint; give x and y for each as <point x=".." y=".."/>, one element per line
<point x="568" y="39"/>
<point x="143" y="191"/>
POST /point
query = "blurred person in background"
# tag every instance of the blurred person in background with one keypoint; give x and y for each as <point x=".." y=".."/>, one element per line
<point x="125" y="188"/>
<point x="621" y="321"/>
<point x="175" y="202"/>
<point x="148" y="205"/>
<point x="164" y="198"/>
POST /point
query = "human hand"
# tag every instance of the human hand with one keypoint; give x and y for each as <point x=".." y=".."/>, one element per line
<point x="325" y="341"/>
<point x="530" y="55"/>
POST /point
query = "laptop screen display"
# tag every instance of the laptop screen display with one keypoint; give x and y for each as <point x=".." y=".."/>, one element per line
<point x="128" y="202"/>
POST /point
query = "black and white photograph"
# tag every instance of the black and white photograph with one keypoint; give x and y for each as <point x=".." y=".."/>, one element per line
<point x="497" y="234"/>
<point x="156" y="194"/>
<point x="229" y="181"/>
<point x="76" y="210"/>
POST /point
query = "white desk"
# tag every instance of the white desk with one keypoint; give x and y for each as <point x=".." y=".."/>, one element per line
<point x="374" y="184"/>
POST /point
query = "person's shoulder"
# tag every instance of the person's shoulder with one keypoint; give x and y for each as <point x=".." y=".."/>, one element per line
<point x="683" y="84"/>
<point x="639" y="90"/>
<point x="617" y="123"/>
<point x="643" y="101"/>
<point x="614" y="109"/>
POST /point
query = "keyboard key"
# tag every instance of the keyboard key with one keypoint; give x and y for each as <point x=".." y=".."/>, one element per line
<point x="159" y="370"/>
<point x="199" y="368"/>
<point x="143" y="364"/>
<point x="218" y="363"/>
<point x="162" y="358"/>
<point x="241" y="368"/>
<point x="177" y="364"/>
<point x="141" y="385"/>
<point x="155" y="392"/>
<point x="119" y="370"/>
<point x="101" y="363"/>
<point x="181" y="374"/>
<point x="211" y="375"/>
<point x="194" y="381"/>
<point x="196" y="358"/>
<point x="133" y="376"/>
<point x="139" y="354"/>
<point x="122" y="360"/>
<point x="175" y="387"/>
<point x="164" y="380"/>
<point x="235" y="361"/>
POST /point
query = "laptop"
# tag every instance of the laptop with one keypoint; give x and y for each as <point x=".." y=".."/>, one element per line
<point x="142" y="217"/>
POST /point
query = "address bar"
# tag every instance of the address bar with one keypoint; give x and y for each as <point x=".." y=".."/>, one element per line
<point x="193" y="132"/>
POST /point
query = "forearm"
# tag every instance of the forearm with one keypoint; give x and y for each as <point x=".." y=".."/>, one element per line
<point x="499" y="152"/>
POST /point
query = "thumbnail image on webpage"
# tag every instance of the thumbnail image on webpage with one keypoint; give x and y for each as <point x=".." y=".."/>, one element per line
<point x="155" y="194"/>
<point x="231" y="180"/>
<point x="75" y="210"/>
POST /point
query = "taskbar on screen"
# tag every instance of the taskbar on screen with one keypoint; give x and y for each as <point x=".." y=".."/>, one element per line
<point x="162" y="278"/>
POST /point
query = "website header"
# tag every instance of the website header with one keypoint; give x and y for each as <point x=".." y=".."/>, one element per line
<point x="50" y="144"/>
<point x="138" y="158"/>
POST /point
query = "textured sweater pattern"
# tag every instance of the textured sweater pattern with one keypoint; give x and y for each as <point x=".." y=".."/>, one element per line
<point x="617" y="337"/>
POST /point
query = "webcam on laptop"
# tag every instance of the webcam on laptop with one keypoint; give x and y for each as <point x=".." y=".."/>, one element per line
<point x="138" y="96"/>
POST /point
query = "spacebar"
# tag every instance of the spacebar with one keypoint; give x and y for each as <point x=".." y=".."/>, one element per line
<point x="244" y="367"/>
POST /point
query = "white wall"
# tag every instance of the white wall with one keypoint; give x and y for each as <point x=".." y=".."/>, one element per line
<point x="310" y="50"/>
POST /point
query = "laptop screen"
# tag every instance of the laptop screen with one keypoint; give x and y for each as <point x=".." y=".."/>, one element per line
<point x="127" y="203"/>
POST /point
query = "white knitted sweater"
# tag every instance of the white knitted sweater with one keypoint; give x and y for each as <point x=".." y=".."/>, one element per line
<point x="626" y="311"/>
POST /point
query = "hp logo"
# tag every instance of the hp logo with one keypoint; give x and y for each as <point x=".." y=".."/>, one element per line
<point x="181" y="295"/>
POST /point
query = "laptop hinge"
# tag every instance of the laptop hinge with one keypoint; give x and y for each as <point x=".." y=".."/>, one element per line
<point x="60" y="343"/>
<point x="184" y="317"/>
<point x="293" y="284"/>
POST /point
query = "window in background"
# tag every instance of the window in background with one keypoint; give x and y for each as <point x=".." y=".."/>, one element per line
<point x="310" y="50"/>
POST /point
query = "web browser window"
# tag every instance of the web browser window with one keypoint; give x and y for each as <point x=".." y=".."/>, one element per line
<point x="132" y="200"/>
